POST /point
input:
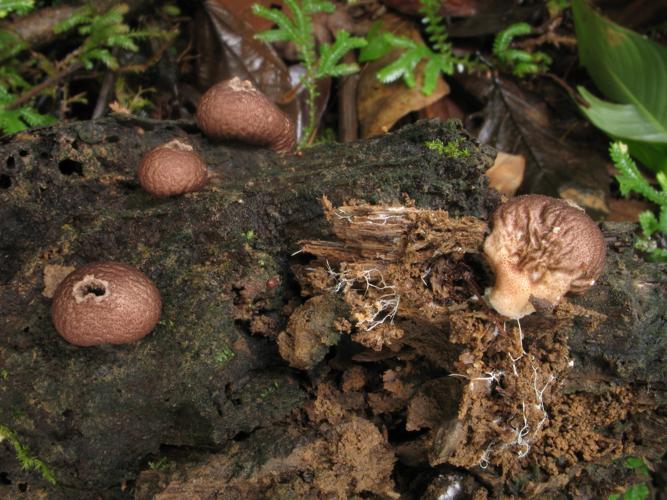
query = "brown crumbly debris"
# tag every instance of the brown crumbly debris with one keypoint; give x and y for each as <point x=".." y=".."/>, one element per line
<point x="53" y="275"/>
<point x="486" y="391"/>
<point x="354" y="379"/>
<point x="310" y="332"/>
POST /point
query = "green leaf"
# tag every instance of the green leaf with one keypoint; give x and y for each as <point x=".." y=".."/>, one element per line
<point x="627" y="67"/>
<point x="431" y="72"/>
<point x="403" y="66"/>
<point x="400" y="42"/>
<point x="330" y="55"/>
<point x="630" y="178"/>
<point x="284" y="23"/>
<point x="317" y="6"/>
<point x="376" y="46"/>
<point x="104" y="56"/>
<point x="21" y="7"/>
<point x="621" y="120"/>
<point x="636" y="492"/>
<point x="34" y="118"/>
<point x="653" y="156"/>
<point x="503" y="39"/>
<point x="81" y="16"/>
<point x="10" y="121"/>
<point x="270" y="36"/>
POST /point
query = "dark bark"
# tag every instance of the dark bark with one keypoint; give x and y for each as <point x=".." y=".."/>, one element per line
<point x="96" y="416"/>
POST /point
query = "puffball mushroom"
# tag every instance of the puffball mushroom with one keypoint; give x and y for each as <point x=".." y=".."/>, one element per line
<point x="234" y="109"/>
<point x="171" y="169"/>
<point x="105" y="303"/>
<point x="541" y="248"/>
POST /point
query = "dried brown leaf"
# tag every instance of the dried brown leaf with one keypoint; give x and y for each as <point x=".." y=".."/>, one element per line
<point x="380" y="106"/>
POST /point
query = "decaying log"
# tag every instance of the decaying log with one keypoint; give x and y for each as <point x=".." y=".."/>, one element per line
<point x="210" y="375"/>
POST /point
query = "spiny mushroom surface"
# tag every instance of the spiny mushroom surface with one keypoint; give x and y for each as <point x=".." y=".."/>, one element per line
<point x="234" y="109"/>
<point x="172" y="169"/>
<point x="105" y="303"/>
<point x="541" y="248"/>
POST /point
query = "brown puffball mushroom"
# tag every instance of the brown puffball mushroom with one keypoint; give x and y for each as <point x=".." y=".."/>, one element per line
<point x="234" y="109"/>
<point x="105" y="303"/>
<point x="172" y="169"/>
<point x="541" y="248"/>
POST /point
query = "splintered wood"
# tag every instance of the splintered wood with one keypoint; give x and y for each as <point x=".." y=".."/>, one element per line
<point x="394" y="258"/>
<point x="392" y="233"/>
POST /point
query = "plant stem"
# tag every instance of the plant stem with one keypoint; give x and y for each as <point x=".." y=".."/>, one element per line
<point x="26" y="96"/>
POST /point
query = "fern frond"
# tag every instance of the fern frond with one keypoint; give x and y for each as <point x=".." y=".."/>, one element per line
<point x="20" y="7"/>
<point x="630" y="178"/>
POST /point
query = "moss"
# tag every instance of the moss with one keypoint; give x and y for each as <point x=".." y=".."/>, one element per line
<point x="27" y="461"/>
<point x="223" y="355"/>
<point x="453" y="148"/>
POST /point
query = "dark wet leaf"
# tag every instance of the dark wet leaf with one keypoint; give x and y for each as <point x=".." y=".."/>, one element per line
<point x="495" y="15"/>
<point x="454" y="8"/>
<point x="518" y="122"/>
<point x="226" y="47"/>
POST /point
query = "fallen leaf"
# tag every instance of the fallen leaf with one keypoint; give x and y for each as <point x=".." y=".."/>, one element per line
<point x="53" y="275"/>
<point x="519" y="122"/>
<point x="444" y="109"/>
<point x="226" y="48"/>
<point x="506" y="174"/>
<point x="626" y="210"/>
<point x="380" y="106"/>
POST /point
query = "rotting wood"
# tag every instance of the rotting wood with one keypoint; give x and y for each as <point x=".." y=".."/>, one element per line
<point x="69" y="196"/>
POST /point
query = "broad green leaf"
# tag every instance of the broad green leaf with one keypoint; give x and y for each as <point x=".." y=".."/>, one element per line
<point x="622" y="120"/>
<point x="627" y="67"/>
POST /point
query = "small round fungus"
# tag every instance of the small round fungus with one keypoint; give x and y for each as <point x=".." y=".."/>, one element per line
<point x="172" y="169"/>
<point x="105" y="303"/>
<point x="234" y="109"/>
<point x="541" y="248"/>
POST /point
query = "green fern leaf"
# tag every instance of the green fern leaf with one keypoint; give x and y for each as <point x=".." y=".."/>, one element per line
<point x="20" y="7"/>
<point x="284" y="23"/>
<point x="330" y="55"/>
<point x="34" y="118"/>
<point x="630" y="178"/>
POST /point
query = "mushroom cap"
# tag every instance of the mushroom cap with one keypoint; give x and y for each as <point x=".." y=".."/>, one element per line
<point x="236" y="110"/>
<point x="105" y="303"/>
<point x="541" y="248"/>
<point x="172" y="169"/>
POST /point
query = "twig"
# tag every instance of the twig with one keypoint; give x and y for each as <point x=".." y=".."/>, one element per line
<point x="347" y="104"/>
<point x="37" y="89"/>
